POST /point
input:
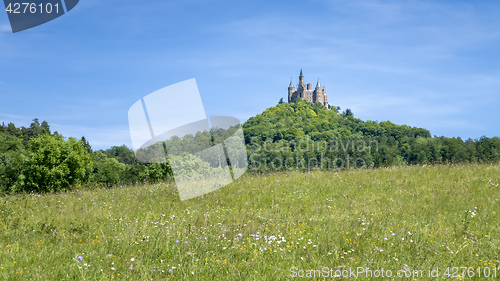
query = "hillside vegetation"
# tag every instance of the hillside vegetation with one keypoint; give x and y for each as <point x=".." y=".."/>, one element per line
<point x="308" y="133"/>
<point x="261" y="228"/>
<point x="299" y="136"/>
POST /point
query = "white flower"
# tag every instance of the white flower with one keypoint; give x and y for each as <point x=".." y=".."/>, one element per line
<point x="132" y="259"/>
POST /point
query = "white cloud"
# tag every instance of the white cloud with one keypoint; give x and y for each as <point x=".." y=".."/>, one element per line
<point x="18" y="120"/>
<point x="5" y="28"/>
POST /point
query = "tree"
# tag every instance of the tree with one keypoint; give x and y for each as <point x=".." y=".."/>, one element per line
<point x="107" y="171"/>
<point x="281" y="101"/>
<point x="54" y="164"/>
<point x="347" y="113"/>
<point x="86" y="144"/>
<point x="44" y="128"/>
<point x="34" y="129"/>
<point x="12" y="130"/>
<point x="12" y="161"/>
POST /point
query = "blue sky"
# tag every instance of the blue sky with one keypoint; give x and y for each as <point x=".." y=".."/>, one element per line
<point x="430" y="64"/>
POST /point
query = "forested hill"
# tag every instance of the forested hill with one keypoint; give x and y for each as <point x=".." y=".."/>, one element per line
<point x="289" y="121"/>
<point x="310" y="131"/>
<point x="300" y="136"/>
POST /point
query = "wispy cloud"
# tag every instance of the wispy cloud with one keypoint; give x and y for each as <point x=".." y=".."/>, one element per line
<point x="5" y="28"/>
<point x="18" y="120"/>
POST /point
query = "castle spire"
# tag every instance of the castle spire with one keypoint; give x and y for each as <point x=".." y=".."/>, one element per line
<point x="291" y="83"/>
<point x="318" y="85"/>
<point x="301" y="80"/>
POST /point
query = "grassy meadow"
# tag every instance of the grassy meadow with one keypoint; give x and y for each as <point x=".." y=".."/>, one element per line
<point x="260" y="227"/>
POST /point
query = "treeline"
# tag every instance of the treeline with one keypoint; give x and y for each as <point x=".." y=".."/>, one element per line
<point x="35" y="159"/>
<point x="304" y="136"/>
<point x="300" y="136"/>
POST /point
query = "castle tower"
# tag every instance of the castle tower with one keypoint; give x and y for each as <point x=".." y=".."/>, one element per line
<point x="318" y="94"/>
<point x="301" y="80"/>
<point x="291" y="89"/>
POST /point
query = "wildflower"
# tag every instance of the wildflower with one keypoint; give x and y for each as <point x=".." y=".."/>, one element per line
<point x="240" y="235"/>
<point x="154" y="271"/>
<point x="132" y="259"/>
<point x="176" y="241"/>
<point x="186" y="242"/>
<point x="393" y="234"/>
<point x="170" y="271"/>
<point x="385" y="238"/>
<point x="80" y="258"/>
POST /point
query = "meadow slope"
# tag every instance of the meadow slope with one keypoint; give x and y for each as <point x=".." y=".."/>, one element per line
<point x="260" y="227"/>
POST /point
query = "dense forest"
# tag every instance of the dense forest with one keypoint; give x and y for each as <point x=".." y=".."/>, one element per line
<point x="297" y="136"/>
<point x="310" y="135"/>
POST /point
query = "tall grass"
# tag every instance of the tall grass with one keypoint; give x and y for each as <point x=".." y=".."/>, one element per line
<point x="259" y="227"/>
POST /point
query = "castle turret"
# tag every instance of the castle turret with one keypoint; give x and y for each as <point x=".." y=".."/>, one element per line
<point x="291" y="89"/>
<point x="301" y="80"/>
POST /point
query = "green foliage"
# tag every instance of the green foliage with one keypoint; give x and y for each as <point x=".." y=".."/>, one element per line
<point x="12" y="162"/>
<point x="158" y="172"/>
<point x="54" y="164"/>
<point x="121" y="153"/>
<point x="107" y="171"/>
<point x="192" y="167"/>
<point x="347" y="113"/>
<point x="298" y="136"/>
<point x="348" y="139"/>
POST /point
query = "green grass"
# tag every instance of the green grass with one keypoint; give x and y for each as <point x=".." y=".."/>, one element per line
<point x="303" y="220"/>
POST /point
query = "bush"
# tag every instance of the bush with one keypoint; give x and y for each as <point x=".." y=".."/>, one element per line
<point x="54" y="164"/>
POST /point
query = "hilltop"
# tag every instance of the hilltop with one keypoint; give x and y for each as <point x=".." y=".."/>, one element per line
<point x="289" y="121"/>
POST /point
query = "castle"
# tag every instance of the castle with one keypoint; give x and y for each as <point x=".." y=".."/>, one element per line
<point x="307" y="93"/>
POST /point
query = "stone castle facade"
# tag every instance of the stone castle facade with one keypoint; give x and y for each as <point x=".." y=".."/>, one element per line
<point x="307" y="93"/>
